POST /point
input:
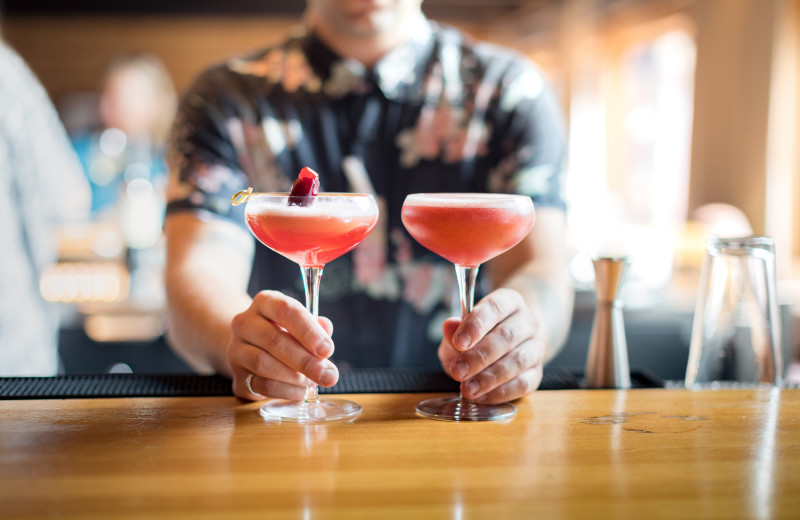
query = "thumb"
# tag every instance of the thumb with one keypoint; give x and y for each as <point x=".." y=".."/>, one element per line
<point x="449" y="328"/>
<point x="326" y="324"/>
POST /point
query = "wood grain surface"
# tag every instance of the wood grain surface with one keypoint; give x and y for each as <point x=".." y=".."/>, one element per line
<point x="567" y="454"/>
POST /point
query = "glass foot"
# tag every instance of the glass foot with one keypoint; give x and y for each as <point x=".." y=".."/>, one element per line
<point x="459" y="409"/>
<point x="310" y="412"/>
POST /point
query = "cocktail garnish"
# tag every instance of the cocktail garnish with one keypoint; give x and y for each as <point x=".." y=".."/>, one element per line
<point x="304" y="188"/>
<point x="240" y="197"/>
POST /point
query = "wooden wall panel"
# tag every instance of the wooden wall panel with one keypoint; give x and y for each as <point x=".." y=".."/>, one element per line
<point x="731" y="109"/>
<point x="71" y="53"/>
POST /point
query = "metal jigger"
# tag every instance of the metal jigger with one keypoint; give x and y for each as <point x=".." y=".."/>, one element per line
<point x="607" y="362"/>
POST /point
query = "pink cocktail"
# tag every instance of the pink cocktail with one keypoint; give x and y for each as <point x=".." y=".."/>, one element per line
<point x="311" y="233"/>
<point x="310" y="236"/>
<point x="467" y="229"/>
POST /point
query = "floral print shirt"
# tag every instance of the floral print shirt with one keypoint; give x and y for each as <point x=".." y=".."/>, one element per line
<point x="438" y="113"/>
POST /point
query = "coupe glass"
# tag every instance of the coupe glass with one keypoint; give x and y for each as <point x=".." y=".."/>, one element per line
<point x="467" y="229"/>
<point x="311" y="231"/>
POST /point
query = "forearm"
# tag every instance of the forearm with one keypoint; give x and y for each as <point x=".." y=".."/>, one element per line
<point x="208" y="265"/>
<point x="201" y="308"/>
<point x="550" y="298"/>
<point x="538" y="268"/>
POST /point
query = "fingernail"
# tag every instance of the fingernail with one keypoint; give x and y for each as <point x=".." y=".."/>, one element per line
<point x="325" y="348"/>
<point x="461" y="370"/>
<point x="327" y="377"/>
<point x="473" y="387"/>
<point x="463" y="340"/>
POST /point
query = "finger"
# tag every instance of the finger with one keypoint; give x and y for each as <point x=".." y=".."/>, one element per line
<point x="446" y="355"/>
<point x="510" y="366"/>
<point x="263" y="364"/>
<point x="296" y="320"/>
<point x="263" y="388"/>
<point x="502" y="339"/>
<point x="487" y="313"/>
<point x="240" y="388"/>
<point x="277" y="389"/>
<point x="284" y="347"/>
<point x="518" y="387"/>
<point x="449" y="328"/>
<point x="288" y="351"/>
<point x="446" y="352"/>
<point x="326" y="324"/>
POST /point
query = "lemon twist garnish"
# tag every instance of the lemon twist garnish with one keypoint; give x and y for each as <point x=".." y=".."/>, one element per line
<point x="240" y="197"/>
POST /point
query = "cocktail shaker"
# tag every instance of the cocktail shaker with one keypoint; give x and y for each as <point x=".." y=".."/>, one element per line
<point x="607" y="361"/>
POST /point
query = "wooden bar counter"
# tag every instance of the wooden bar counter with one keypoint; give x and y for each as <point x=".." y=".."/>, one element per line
<point x="567" y="454"/>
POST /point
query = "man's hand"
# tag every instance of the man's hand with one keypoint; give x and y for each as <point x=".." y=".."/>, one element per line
<point x="496" y="351"/>
<point x="278" y="341"/>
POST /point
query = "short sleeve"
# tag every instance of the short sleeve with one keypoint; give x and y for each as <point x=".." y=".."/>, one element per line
<point x="533" y="142"/>
<point x="204" y="163"/>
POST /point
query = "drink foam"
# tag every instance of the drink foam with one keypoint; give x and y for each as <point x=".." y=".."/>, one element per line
<point x="320" y="208"/>
<point x="465" y="200"/>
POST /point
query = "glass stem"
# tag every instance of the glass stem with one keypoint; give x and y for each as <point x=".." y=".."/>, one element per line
<point x="311" y="278"/>
<point x="466" y="287"/>
<point x="466" y="277"/>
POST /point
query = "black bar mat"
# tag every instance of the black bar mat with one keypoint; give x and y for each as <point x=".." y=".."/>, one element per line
<point x="113" y="385"/>
<point x="188" y="385"/>
<point x="640" y="378"/>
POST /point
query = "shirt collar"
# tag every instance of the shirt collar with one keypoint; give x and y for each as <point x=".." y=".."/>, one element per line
<point x="399" y="74"/>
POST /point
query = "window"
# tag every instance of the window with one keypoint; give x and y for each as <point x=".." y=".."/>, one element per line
<point x="630" y="107"/>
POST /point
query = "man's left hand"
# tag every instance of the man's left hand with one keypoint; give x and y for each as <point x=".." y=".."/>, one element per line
<point x="496" y="351"/>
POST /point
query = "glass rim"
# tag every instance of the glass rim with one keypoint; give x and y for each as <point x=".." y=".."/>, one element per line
<point x="286" y="195"/>
<point x="740" y="246"/>
<point x="481" y="199"/>
<point x="455" y="195"/>
<point x="740" y="241"/>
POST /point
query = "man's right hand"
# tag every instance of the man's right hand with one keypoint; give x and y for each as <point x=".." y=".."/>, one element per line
<point x="278" y="341"/>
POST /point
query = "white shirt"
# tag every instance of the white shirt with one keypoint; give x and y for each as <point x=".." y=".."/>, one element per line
<point x="41" y="185"/>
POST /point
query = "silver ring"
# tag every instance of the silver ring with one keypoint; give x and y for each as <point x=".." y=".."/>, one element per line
<point x="247" y="381"/>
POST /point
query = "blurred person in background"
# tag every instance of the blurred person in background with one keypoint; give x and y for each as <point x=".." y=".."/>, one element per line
<point x="369" y="87"/>
<point x="124" y="160"/>
<point x="722" y="220"/>
<point x="135" y="108"/>
<point x="41" y="187"/>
